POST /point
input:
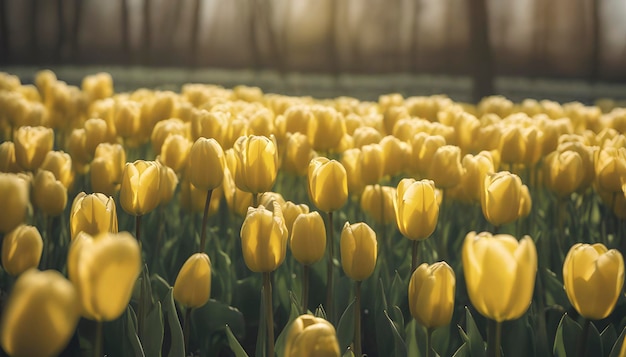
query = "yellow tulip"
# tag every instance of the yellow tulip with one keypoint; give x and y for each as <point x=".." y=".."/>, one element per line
<point x="351" y="161"/>
<point x="175" y="152"/>
<point x="14" y="200"/>
<point x="169" y="182"/>
<point x="396" y="155"/>
<point x="311" y="336"/>
<point x="206" y="164"/>
<point x="104" y="269"/>
<point x="8" y="163"/>
<point x="96" y="133"/>
<point x="107" y="168"/>
<point x="78" y="152"/>
<point x="237" y="200"/>
<point x="328" y="184"/>
<point x="563" y="172"/>
<point x="257" y="163"/>
<point x="417" y="208"/>
<point x="586" y="154"/>
<point x="610" y="167"/>
<point x="502" y="198"/>
<point x="49" y="194"/>
<point x="264" y="238"/>
<point x="499" y="274"/>
<point x="98" y="86"/>
<point x="291" y="211"/>
<point x="445" y="168"/>
<point x="377" y="202"/>
<point x="31" y="145"/>
<point x="308" y="238"/>
<point x="141" y="184"/>
<point x="298" y="154"/>
<point x="193" y="283"/>
<point x="127" y="118"/>
<point x="209" y="124"/>
<point x="21" y="249"/>
<point x="60" y="164"/>
<point x="40" y="316"/>
<point x="423" y="150"/>
<point x="92" y="214"/>
<point x="163" y="129"/>
<point x="476" y="168"/>
<point x="295" y="120"/>
<point x="359" y="250"/>
<point x="366" y="135"/>
<point x="326" y="128"/>
<point x="373" y="162"/>
<point x="431" y="294"/>
<point x="593" y="277"/>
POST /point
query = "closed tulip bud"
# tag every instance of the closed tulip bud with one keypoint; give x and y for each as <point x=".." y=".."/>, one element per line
<point x="98" y="86"/>
<point x="104" y="269"/>
<point x="165" y="128"/>
<point x="107" y="168"/>
<point x="563" y="172"/>
<point x="237" y="200"/>
<point x="328" y="184"/>
<point x="351" y="161"/>
<point x="610" y="167"/>
<point x="526" y="203"/>
<point x="326" y="129"/>
<point x="175" y="152"/>
<point x="359" y="250"/>
<point x="291" y="211"/>
<point x="60" y="164"/>
<point x="308" y="238"/>
<point x="502" y="197"/>
<point x="206" y="164"/>
<point x="92" y="214"/>
<point x="311" y="336"/>
<point x="373" y="163"/>
<point x="445" y="168"/>
<point x="499" y="274"/>
<point x="298" y="154"/>
<point x="8" y="163"/>
<point x="169" y="182"/>
<point x="377" y="202"/>
<point x="76" y="147"/>
<point x="267" y="199"/>
<point x="261" y="122"/>
<point x="31" y="145"/>
<point x="49" y="194"/>
<point x="534" y="146"/>
<point x="141" y="184"/>
<point x="424" y="147"/>
<point x="512" y="145"/>
<point x="296" y="119"/>
<point x="593" y="277"/>
<point x="431" y="294"/>
<point x="96" y="132"/>
<point x="209" y="124"/>
<point x="40" y="316"/>
<point x="476" y="168"/>
<point x="257" y="163"/>
<point x="396" y="155"/>
<point x="416" y="207"/>
<point x="264" y="239"/>
<point x="587" y="155"/>
<point x="127" y="118"/>
<point x="366" y="135"/>
<point x="21" y="249"/>
<point x="14" y="200"/>
<point x="193" y="283"/>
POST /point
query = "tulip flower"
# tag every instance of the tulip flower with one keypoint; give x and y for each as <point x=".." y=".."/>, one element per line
<point x="31" y="146"/>
<point x="60" y="164"/>
<point x="49" y="194"/>
<point x="8" y="163"/>
<point x="163" y="129"/>
<point x="326" y="128"/>
<point x="311" y="336"/>
<point x="291" y="211"/>
<point x="237" y="200"/>
<point x="92" y="214"/>
<point x="139" y="191"/>
<point x="502" y="198"/>
<point x="98" y="86"/>
<point x="416" y="208"/>
<point x="298" y="154"/>
<point x="351" y="161"/>
<point x="127" y="118"/>
<point x="40" y="316"/>
<point x="104" y="269"/>
<point x="107" y="168"/>
<point x="476" y="168"/>
<point x="328" y="184"/>
<point x="423" y="150"/>
<point x="296" y="119"/>
<point x="431" y="294"/>
<point x="21" y="249"/>
<point x="169" y="182"/>
<point x="377" y="201"/>
<point x="257" y="163"/>
<point x="209" y="124"/>
<point x="445" y="168"/>
<point x="610" y="167"/>
<point x="193" y="283"/>
<point x="373" y="162"/>
<point x="14" y="200"/>
<point x="396" y="155"/>
<point x="96" y="133"/>
<point x="593" y="277"/>
<point x="175" y="152"/>
<point x="206" y="164"/>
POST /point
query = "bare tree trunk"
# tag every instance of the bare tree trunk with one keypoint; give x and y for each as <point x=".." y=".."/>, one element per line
<point x="147" y="32"/>
<point x="4" y="33"/>
<point x="195" y="32"/>
<point x="275" y="49"/>
<point x="594" y="73"/>
<point x="480" y="51"/>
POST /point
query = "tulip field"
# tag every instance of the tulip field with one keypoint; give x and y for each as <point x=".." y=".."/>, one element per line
<point x="233" y="222"/>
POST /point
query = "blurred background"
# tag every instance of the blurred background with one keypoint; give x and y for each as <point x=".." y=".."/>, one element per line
<point x="560" y="49"/>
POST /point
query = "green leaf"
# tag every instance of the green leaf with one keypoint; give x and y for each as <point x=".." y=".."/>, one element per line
<point x="463" y="351"/>
<point x="399" y="345"/>
<point x="617" y="346"/>
<point x="398" y="290"/>
<point x="177" y="341"/>
<point x="131" y="325"/>
<point x="213" y="316"/>
<point x="555" y="293"/>
<point x="234" y="345"/>
<point x="412" y="347"/>
<point x="160" y="286"/>
<point x="345" y="328"/>
<point x="293" y="314"/>
<point x="566" y="340"/>
<point x="473" y="338"/>
<point x="348" y="353"/>
<point x="441" y="340"/>
<point x="123" y="330"/>
<point x="594" y="342"/>
<point x="384" y="338"/>
<point x="608" y="336"/>
<point x="153" y="331"/>
<point x="320" y="312"/>
<point x="261" y="337"/>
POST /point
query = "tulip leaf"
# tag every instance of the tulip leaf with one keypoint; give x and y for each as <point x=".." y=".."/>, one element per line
<point x="441" y="340"/>
<point x="153" y="331"/>
<point x="594" y="342"/>
<point x="472" y="336"/>
<point x="213" y="316"/>
<point x="177" y="341"/>
<point x="123" y="330"/>
<point x="555" y="293"/>
<point x="412" y="345"/>
<point x="518" y="338"/>
<point x="566" y="339"/>
<point x="345" y="328"/>
<point x="348" y="353"/>
<point x="320" y="312"/>
<point x="398" y="290"/>
<point x="463" y="351"/>
<point x="384" y="338"/>
<point x="131" y="325"/>
<point x="261" y="337"/>
<point x="399" y="345"/>
<point x="160" y="286"/>
<point x="234" y="345"/>
<point x="226" y="274"/>
<point x="608" y="336"/>
<point x="293" y="314"/>
<point x="617" y="346"/>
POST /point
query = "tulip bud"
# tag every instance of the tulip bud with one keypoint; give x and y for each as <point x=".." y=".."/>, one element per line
<point x="359" y="250"/>
<point x="311" y="336"/>
<point x="257" y="163"/>
<point x="377" y="202"/>
<point x="563" y="172"/>
<point x="77" y="150"/>
<point x="169" y="182"/>
<point x="237" y="200"/>
<point x="165" y="128"/>
<point x="366" y="135"/>
<point x="127" y="118"/>
<point x="424" y="147"/>
<point x="308" y="238"/>
<point x="21" y="249"/>
<point x="60" y="164"/>
<point x="416" y="208"/>
<point x="14" y="200"/>
<point x="610" y="167"/>
<point x="92" y="214"/>
<point x="209" y="124"/>
<point x="445" y="168"/>
<point x="141" y="184"/>
<point x="31" y="145"/>
<point x="431" y="294"/>
<point x="501" y="198"/>
<point x="264" y="239"/>
<point x="298" y="154"/>
<point x="267" y="199"/>
<point x="175" y="152"/>
<point x="351" y="161"/>
<point x="8" y="163"/>
<point x="107" y="168"/>
<point x="328" y="184"/>
<point x="291" y="211"/>
<point x="104" y="269"/>
<point x="261" y="122"/>
<point x="476" y="168"/>
<point x="40" y="316"/>
<point x="206" y="164"/>
<point x="326" y="129"/>
<point x="396" y="155"/>
<point x="96" y="132"/>
<point x="98" y="86"/>
<point x="49" y="194"/>
<point x="373" y="162"/>
<point x="593" y="277"/>
<point x="499" y="274"/>
<point x="193" y="283"/>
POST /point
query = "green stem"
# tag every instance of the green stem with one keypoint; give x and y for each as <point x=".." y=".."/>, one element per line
<point x="269" y="312"/>
<point x="205" y="218"/>
<point x="584" y="337"/>
<point x="429" y="345"/>
<point x="97" y="345"/>
<point x="494" y="336"/>
<point x="255" y="200"/>
<point x="414" y="255"/>
<point x="305" y="288"/>
<point x="357" y="321"/>
<point x="329" y="273"/>
<point x="187" y="329"/>
<point x="138" y="229"/>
